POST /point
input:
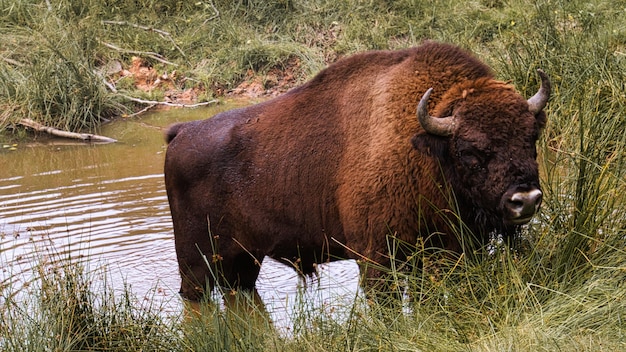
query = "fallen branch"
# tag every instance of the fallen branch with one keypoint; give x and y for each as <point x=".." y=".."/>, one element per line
<point x="166" y="103"/>
<point x="13" y="62"/>
<point x="162" y="33"/>
<point x="109" y="85"/>
<point x="65" y="134"/>
<point x="150" y="54"/>
<point x="215" y="15"/>
<point x="145" y="28"/>
<point x="140" y="111"/>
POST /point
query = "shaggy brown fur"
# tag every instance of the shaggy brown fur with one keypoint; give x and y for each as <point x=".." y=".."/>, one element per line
<point x="343" y="161"/>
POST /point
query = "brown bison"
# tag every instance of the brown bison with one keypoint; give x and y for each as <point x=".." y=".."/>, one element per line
<point x="332" y="167"/>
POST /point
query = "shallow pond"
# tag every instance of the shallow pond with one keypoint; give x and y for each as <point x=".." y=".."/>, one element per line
<point x="106" y="205"/>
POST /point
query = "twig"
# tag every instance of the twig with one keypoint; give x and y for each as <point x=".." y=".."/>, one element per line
<point x="295" y="266"/>
<point x="149" y="29"/>
<point x="355" y="252"/>
<point x="125" y="23"/>
<point x="150" y="54"/>
<point x="65" y="134"/>
<point x="153" y="103"/>
<point x="140" y="111"/>
<point x="13" y="62"/>
<point x="109" y="85"/>
<point x="256" y="261"/>
<point x="166" y="103"/>
<point x="216" y="15"/>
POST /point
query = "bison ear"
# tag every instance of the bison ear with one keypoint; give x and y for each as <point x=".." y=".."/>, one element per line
<point x="434" y="146"/>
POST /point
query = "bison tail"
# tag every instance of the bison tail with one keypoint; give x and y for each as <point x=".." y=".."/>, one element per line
<point x="172" y="131"/>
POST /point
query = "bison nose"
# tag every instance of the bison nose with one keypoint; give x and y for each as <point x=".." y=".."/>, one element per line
<point x="521" y="206"/>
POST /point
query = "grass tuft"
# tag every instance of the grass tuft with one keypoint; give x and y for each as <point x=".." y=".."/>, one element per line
<point x="65" y="307"/>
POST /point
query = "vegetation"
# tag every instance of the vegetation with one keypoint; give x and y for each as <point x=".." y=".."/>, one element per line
<point x="564" y="287"/>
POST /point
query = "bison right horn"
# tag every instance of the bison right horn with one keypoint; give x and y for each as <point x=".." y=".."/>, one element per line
<point x="538" y="101"/>
<point x="434" y="125"/>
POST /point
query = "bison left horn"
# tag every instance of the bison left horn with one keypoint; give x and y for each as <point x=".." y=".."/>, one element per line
<point x="433" y="125"/>
<point x="538" y="101"/>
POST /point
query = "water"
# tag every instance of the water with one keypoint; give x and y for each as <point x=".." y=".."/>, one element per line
<point x="106" y="205"/>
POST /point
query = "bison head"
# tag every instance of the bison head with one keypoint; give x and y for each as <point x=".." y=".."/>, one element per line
<point x="486" y="146"/>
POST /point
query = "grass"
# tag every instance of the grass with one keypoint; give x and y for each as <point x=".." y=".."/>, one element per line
<point x="563" y="289"/>
<point x="65" y="308"/>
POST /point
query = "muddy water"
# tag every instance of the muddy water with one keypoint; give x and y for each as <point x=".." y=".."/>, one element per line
<point x="106" y="205"/>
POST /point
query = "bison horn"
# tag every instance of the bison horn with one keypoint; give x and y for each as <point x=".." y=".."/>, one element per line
<point x="433" y="125"/>
<point x="538" y="101"/>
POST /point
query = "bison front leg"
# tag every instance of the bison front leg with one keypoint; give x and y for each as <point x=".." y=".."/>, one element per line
<point x="239" y="271"/>
<point x="216" y="260"/>
<point x="196" y="262"/>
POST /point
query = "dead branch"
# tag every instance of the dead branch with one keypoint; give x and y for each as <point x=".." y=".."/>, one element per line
<point x="109" y="85"/>
<point x="140" y="111"/>
<point x="215" y="15"/>
<point x="145" y="28"/>
<point x="162" y="33"/>
<point x="65" y="134"/>
<point x="166" y="103"/>
<point x="13" y="62"/>
<point x="364" y="258"/>
<point x="150" y="54"/>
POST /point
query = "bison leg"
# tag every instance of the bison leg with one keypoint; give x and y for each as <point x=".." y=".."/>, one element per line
<point x="194" y="250"/>
<point x="195" y="266"/>
<point x="239" y="269"/>
<point x="216" y="260"/>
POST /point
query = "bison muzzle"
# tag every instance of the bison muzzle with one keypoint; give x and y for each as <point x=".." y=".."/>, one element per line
<point x="330" y="168"/>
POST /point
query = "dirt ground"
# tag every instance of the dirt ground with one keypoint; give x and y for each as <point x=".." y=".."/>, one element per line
<point x="276" y="81"/>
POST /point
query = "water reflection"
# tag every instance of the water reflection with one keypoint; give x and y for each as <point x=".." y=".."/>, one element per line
<point x="102" y="203"/>
<point x="294" y="302"/>
<point x="106" y="205"/>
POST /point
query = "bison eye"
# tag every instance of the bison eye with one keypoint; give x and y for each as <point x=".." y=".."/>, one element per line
<point x="471" y="161"/>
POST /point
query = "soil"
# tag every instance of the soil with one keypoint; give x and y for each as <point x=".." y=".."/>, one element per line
<point x="274" y="82"/>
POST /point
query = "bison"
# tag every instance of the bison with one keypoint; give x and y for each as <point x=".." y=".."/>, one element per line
<point x="332" y="167"/>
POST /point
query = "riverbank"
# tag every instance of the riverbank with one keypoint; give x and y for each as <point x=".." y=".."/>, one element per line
<point x="74" y="65"/>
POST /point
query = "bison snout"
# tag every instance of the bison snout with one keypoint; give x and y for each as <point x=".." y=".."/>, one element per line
<point x="519" y="207"/>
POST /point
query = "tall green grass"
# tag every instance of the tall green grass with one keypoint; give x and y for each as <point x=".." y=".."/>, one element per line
<point x="53" y="54"/>
<point x="66" y="307"/>
<point x="562" y="289"/>
<point x="584" y="145"/>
